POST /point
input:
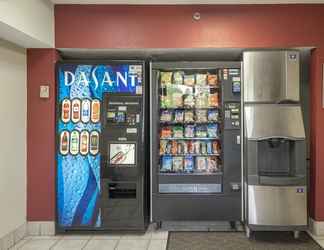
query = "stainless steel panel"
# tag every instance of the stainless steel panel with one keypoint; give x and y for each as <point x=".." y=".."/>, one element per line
<point x="271" y="76"/>
<point x="265" y="121"/>
<point x="277" y="206"/>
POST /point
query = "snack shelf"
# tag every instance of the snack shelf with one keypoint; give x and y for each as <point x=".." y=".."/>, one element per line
<point x="191" y="86"/>
<point x="189" y="123"/>
<point x="189" y="174"/>
<point x="189" y="108"/>
<point x="190" y="138"/>
<point x="190" y="154"/>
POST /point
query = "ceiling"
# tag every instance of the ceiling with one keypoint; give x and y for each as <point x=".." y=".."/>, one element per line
<point x="185" y="1"/>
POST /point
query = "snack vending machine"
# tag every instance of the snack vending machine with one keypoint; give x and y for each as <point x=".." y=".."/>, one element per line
<point x="100" y="163"/>
<point x="195" y="141"/>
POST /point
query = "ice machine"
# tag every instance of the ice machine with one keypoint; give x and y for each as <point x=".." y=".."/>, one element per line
<point x="274" y="158"/>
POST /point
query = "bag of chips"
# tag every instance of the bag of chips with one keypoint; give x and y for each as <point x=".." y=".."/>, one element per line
<point x="201" y="131"/>
<point x="168" y="149"/>
<point x="178" y="77"/>
<point x="202" y="94"/>
<point x="166" y="132"/>
<point x="185" y="147"/>
<point x="189" y="163"/>
<point x="189" y="116"/>
<point x="196" y="145"/>
<point x="203" y="148"/>
<point x="163" y="147"/>
<point x="216" y="147"/>
<point x="180" y="147"/>
<point x="190" y="131"/>
<point x="212" y="115"/>
<point x="201" y="163"/>
<point x="189" y="80"/>
<point x="212" y="130"/>
<point x="177" y="100"/>
<point x="191" y="148"/>
<point x="209" y="147"/>
<point x="177" y="164"/>
<point x="201" y="115"/>
<point x="174" y="147"/>
<point x="189" y="100"/>
<point x="166" y="116"/>
<point x="201" y="79"/>
<point x="212" y="79"/>
<point x="166" y="78"/>
<point x="178" y="131"/>
<point x="166" y="164"/>
<point x="178" y="116"/>
<point x="213" y="100"/>
<point x="212" y="165"/>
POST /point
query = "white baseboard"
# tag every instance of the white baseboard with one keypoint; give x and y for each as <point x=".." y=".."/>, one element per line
<point x="41" y="228"/>
<point x="316" y="227"/>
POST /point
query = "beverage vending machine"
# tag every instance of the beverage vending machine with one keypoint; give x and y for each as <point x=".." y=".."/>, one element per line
<point x="195" y="141"/>
<point x="101" y="146"/>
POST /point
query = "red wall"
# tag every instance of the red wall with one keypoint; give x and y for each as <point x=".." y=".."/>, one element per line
<point x="103" y="26"/>
<point x="40" y="135"/>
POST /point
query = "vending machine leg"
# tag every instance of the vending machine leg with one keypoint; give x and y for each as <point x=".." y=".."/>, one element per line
<point x="296" y="234"/>
<point x="248" y="232"/>
<point x="233" y="225"/>
<point x="158" y="225"/>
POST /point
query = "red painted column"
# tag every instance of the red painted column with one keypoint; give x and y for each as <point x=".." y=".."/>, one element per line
<point x="317" y="134"/>
<point x="41" y="135"/>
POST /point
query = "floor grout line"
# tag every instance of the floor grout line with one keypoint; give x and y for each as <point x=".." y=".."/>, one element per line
<point x="87" y="243"/>
<point x="117" y="243"/>
<point x="27" y="240"/>
<point x="55" y="243"/>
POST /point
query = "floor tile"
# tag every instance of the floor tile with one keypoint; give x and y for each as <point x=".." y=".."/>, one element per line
<point x="78" y="237"/>
<point x="19" y="244"/>
<point x="158" y="245"/>
<point x="69" y="244"/>
<point x="44" y="237"/>
<point x="39" y="244"/>
<point x="107" y="237"/>
<point x="132" y="245"/>
<point x="160" y="235"/>
<point x="101" y="245"/>
<point x="320" y="242"/>
<point x="137" y="236"/>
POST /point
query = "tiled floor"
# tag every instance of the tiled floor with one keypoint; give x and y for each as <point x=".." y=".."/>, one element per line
<point x="151" y="240"/>
<point x="318" y="239"/>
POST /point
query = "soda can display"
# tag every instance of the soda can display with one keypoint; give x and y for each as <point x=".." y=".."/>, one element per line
<point x="85" y="110"/>
<point x="66" y="110"/>
<point x="94" y="142"/>
<point x="84" y="142"/>
<point x="74" y="142"/>
<point x="95" y="111"/>
<point x="76" y="106"/>
<point x="64" y="142"/>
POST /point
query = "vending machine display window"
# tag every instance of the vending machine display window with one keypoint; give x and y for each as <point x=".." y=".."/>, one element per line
<point x="122" y="154"/>
<point x="190" y="141"/>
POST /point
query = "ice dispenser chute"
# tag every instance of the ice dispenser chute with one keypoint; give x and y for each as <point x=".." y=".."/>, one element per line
<point x="275" y="145"/>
